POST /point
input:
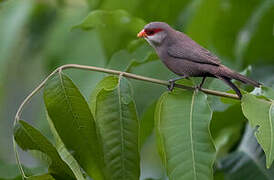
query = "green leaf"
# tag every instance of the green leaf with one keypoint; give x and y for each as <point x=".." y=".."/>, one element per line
<point x="247" y="162"/>
<point x="185" y="143"/>
<point x="41" y="177"/>
<point x="74" y="123"/>
<point x="117" y="28"/>
<point x="64" y="153"/>
<point x="260" y="114"/>
<point x="107" y="83"/>
<point x="118" y="126"/>
<point x="29" y="138"/>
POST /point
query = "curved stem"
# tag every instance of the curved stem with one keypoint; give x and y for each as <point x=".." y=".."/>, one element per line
<point x="125" y="74"/>
<point x="26" y="100"/>
<point x="152" y="80"/>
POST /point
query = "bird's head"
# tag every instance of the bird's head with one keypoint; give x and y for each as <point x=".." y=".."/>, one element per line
<point x="155" y="33"/>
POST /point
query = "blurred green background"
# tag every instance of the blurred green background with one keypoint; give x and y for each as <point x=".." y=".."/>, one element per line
<point x="36" y="36"/>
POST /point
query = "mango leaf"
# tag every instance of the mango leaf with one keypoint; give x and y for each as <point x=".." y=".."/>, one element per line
<point x="260" y="114"/>
<point x="118" y="126"/>
<point x="116" y="28"/>
<point x="72" y="119"/>
<point x="107" y="83"/>
<point x="185" y="144"/>
<point x="41" y="177"/>
<point x="64" y="153"/>
<point x="247" y="161"/>
<point x="29" y="138"/>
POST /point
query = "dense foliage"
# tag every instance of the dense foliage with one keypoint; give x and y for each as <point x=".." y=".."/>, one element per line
<point x="111" y="127"/>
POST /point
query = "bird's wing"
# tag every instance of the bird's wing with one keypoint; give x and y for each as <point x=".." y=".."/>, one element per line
<point x="191" y="51"/>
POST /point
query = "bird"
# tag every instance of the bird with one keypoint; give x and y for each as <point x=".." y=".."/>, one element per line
<point x="186" y="58"/>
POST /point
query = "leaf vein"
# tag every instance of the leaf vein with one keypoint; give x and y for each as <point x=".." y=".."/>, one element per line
<point x="191" y="137"/>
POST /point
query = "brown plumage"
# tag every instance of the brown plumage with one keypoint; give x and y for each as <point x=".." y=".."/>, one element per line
<point x="186" y="58"/>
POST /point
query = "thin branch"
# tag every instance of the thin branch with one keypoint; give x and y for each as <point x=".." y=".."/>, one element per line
<point x="26" y="100"/>
<point x="125" y="74"/>
<point x="143" y="78"/>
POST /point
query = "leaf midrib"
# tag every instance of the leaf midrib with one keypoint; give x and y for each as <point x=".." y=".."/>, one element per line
<point x="271" y="130"/>
<point x="51" y="153"/>
<point x="121" y="128"/>
<point x="68" y="101"/>
<point x="191" y="138"/>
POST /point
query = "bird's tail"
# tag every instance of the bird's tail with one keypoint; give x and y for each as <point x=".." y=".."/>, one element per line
<point x="237" y="76"/>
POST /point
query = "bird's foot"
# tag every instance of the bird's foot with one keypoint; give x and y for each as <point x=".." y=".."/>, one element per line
<point x="172" y="82"/>
<point x="198" y="87"/>
<point x="170" y="87"/>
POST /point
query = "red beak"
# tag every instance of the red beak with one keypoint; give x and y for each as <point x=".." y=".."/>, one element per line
<point x="142" y="34"/>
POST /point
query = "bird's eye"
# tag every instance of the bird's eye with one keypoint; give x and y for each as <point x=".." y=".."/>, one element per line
<point x="150" y="32"/>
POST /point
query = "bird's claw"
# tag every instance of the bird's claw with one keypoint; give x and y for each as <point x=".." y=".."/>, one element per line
<point x="198" y="88"/>
<point x="170" y="87"/>
<point x="172" y="82"/>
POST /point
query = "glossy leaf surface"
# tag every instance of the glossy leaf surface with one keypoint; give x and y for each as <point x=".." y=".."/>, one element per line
<point x="118" y="126"/>
<point x="185" y="143"/>
<point x="260" y="113"/>
<point x="72" y="119"/>
<point x="29" y="138"/>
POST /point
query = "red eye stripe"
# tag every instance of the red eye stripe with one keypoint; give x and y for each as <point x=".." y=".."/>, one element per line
<point x="151" y="32"/>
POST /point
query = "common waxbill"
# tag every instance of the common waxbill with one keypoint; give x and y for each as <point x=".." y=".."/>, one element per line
<point x="186" y="58"/>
